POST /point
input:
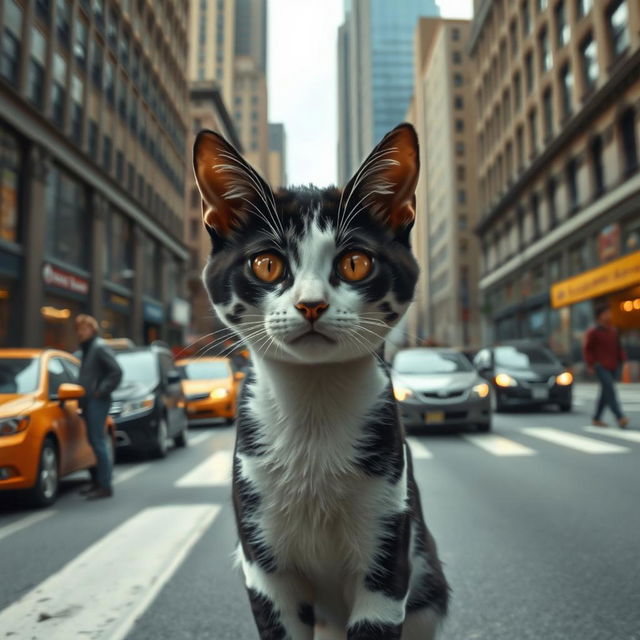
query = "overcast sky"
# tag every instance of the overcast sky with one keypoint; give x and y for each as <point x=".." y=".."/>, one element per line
<point x="303" y="82"/>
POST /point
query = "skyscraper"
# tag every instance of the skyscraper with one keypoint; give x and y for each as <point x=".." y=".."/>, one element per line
<point x="375" y="73"/>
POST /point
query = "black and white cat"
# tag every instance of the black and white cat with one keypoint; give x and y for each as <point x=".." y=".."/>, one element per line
<point x="332" y="537"/>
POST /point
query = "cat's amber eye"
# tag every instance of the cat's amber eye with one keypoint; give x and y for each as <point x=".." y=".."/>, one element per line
<point x="268" y="267"/>
<point x="355" y="266"/>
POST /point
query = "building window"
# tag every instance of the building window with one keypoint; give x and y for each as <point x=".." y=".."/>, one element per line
<point x="124" y="49"/>
<point x="43" y="8"/>
<point x="35" y="75"/>
<point x="546" y="57"/>
<point x="455" y="35"/>
<point x="535" y="215"/>
<point x="459" y="126"/>
<point x="110" y="81"/>
<point x="77" y="111"/>
<point x="106" y="153"/>
<point x="63" y="19"/>
<point x="11" y="38"/>
<point x="589" y="55"/>
<point x="566" y="83"/>
<point x="80" y="42"/>
<point x="520" y="148"/>
<point x="517" y="91"/>
<point x="118" y="254"/>
<point x="563" y="30"/>
<point x="513" y="36"/>
<point x="572" y="185"/>
<point x="461" y="172"/>
<point x="551" y="203"/>
<point x="618" y="27"/>
<point x="542" y="5"/>
<point x="96" y="64"/>
<point x="11" y="163"/>
<point x="58" y="91"/>
<point x="92" y="141"/>
<point x="119" y="166"/>
<point x="547" y="103"/>
<point x="533" y="132"/>
<point x="462" y="196"/>
<point x="598" y="166"/>
<point x="457" y="79"/>
<point x="460" y="149"/>
<point x="629" y="143"/>
<point x="112" y="28"/>
<point x="583" y="7"/>
<point x="530" y="72"/>
<point x="98" y="12"/>
<point x="457" y="57"/>
<point x="66" y="208"/>
<point x="526" y="18"/>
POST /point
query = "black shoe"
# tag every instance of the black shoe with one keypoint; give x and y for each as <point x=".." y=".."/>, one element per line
<point x="88" y="489"/>
<point x="100" y="492"/>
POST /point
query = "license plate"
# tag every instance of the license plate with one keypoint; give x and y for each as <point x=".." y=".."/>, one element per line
<point x="540" y="394"/>
<point x="434" y="417"/>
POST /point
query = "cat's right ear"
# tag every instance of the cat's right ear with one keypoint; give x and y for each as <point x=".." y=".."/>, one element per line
<point x="229" y="186"/>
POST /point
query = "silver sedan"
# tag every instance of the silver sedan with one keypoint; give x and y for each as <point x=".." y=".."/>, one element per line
<point x="440" y="388"/>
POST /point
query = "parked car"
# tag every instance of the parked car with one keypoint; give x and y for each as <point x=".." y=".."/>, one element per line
<point x="438" y="387"/>
<point x="43" y="436"/>
<point x="525" y="373"/>
<point x="210" y="388"/>
<point x="148" y="405"/>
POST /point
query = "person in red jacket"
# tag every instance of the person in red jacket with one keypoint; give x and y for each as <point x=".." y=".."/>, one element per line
<point x="603" y="355"/>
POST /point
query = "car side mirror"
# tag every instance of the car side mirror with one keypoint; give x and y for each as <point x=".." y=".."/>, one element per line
<point x="174" y="377"/>
<point x="68" y="391"/>
<point x="239" y="375"/>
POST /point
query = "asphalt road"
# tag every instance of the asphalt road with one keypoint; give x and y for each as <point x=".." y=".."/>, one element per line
<point x="539" y="529"/>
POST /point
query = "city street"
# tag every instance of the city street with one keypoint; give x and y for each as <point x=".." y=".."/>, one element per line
<point x="537" y="523"/>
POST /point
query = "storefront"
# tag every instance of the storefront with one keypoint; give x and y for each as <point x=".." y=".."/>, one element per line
<point x="116" y="315"/>
<point x="153" y="315"/>
<point x="66" y="295"/>
<point x="617" y="284"/>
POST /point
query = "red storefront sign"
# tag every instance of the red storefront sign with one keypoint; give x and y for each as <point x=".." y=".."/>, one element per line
<point x="55" y="277"/>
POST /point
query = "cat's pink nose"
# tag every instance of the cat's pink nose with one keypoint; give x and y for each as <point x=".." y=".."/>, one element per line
<point x="312" y="310"/>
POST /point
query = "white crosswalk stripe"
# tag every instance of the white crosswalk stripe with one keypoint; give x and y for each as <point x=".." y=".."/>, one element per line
<point x="102" y="592"/>
<point x="199" y="438"/>
<point x="215" y="471"/>
<point x="123" y="476"/>
<point x="498" y="445"/>
<point x="418" y="450"/>
<point x="573" y="441"/>
<point x="630" y="436"/>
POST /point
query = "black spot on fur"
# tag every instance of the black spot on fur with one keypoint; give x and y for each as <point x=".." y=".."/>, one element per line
<point x="374" y="631"/>
<point x="385" y="307"/>
<point x="390" y="572"/>
<point x="266" y="617"/>
<point x="380" y="452"/>
<point x="306" y="614"/>
<point x="236" y="314"/>
<point x="390" y="317"/>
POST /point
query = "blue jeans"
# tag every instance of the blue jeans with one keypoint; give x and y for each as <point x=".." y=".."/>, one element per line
<point x="608" y="396"/>
<point x="95" y="414"/>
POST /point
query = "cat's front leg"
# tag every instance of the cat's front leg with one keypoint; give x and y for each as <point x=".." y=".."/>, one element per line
<point x="379" y="607"/>
<point x="280" y="602"/>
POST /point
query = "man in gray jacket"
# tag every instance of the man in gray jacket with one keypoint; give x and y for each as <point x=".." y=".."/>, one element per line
<point x="100" y="374"/>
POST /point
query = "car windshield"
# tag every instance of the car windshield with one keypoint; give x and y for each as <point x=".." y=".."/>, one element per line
<point x="19" y="375"/>
<point x="523" y="356"/>
<point x="205" y="370"/>
<point x="429" y="362"/>
<point x="138" y="367"/>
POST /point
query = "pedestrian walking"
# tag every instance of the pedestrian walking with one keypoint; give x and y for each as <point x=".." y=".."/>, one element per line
<point x="604" y="356"/>
<point x="100" y="374"/>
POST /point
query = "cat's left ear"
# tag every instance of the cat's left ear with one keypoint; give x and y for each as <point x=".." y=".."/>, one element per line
<point x="229" y="185"/>
<point x="386" y="182"/>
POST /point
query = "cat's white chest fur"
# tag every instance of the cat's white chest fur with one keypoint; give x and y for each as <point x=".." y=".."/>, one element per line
<point x="317" y="505"/>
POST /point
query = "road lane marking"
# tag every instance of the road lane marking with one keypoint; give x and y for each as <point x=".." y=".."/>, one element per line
<point x="123" y="476"/>
<point x="499" y="446"/>
<point x="215" y="471"/>
<point x="102" y="592"/>
<point x="573" y="441"/>
<point x="630" y="436"/>
<point x="25" y="522"/>
<point x="200" y="438"/>
<point x="418" y="450"/>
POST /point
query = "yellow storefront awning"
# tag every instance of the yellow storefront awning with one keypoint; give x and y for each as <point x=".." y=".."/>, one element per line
<point x="613" y="276"/>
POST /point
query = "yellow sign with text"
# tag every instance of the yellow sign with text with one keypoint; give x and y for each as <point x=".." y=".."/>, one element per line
<point x="619" y="274"/>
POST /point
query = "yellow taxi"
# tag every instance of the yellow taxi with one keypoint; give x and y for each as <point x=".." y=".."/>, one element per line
<point x="42" y="433"/>
<point x="210" y="388"/>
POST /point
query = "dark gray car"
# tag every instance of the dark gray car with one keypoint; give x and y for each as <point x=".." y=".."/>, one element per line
<point x="440" y="388"/>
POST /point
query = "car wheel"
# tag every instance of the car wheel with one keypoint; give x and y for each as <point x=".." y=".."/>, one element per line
<point x="160" y="448"/>
<point x="181" y="439"/>
<point x="45" y="491"/>
<point x="565" y="407"/>
<point x="484" y="427"/>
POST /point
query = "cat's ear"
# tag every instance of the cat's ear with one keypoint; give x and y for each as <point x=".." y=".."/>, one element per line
<point x="229" y="186"/>
<point x="385" y="184"/>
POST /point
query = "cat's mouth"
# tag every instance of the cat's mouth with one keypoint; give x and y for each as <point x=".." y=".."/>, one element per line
<point x="310" y="336"/>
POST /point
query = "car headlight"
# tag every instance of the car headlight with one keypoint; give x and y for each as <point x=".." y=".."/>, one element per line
<point x="564" y="379"/>
<point x="219" y="393"/>
<point x="136" y="406"/>
<point x="481" y="390"/>
<point x="505" y="380"/>
<point x="9" y="426"/>
<point x="402" y="393"/>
